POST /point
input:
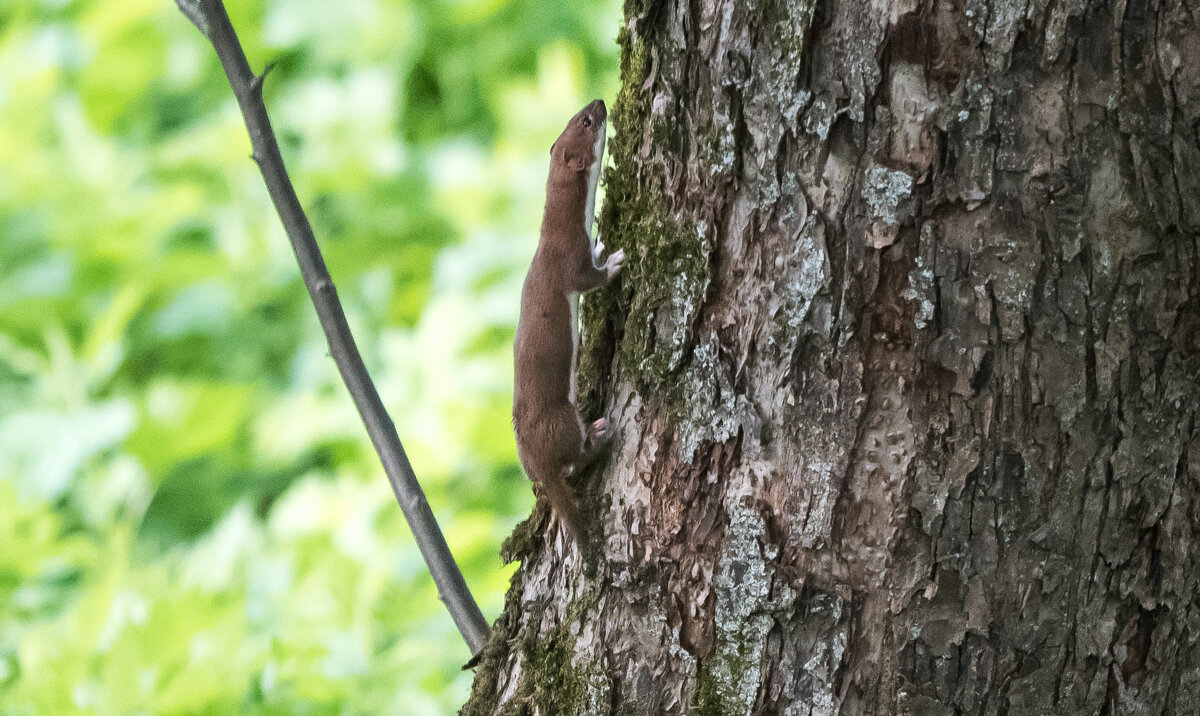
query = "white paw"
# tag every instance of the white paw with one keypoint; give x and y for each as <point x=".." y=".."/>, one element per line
<point x="597" y="251"/>
<point x="598" y="430"/>
<point x="613" y="265"/>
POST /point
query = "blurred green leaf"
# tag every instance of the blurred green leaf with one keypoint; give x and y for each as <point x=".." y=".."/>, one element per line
<point x="193" y="520"/>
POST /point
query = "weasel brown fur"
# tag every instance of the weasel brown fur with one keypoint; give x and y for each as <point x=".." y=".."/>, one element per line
<point x="551" y="438"/>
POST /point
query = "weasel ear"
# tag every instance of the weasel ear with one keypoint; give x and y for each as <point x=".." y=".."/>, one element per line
<point x="552" y="146"/>
<point x="576" y="163"/>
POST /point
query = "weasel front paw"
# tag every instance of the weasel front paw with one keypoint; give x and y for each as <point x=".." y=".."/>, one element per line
<point x="613" y="265"/>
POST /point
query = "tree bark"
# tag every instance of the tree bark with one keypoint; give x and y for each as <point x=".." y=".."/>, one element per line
<point x="905" y="368"/>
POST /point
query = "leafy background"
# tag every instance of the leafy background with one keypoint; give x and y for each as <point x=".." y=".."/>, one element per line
<point x="191" y="517"/>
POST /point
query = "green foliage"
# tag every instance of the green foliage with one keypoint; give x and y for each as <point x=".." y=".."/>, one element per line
<point x="191" y="517"/>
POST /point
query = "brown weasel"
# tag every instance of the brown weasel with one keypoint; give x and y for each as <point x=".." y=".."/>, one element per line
<point x="551" y="439"/>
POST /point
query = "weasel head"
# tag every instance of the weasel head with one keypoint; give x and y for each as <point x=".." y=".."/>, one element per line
<point x="580" y="145"/>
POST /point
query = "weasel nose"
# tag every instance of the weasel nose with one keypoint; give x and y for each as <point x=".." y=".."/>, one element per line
<point x="598" y="110"/>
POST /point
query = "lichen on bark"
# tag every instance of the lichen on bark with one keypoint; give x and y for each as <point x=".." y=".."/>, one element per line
<point x="904" y="369"/>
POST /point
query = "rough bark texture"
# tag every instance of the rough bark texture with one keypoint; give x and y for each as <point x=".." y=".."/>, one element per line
<point x="904" y="364"/>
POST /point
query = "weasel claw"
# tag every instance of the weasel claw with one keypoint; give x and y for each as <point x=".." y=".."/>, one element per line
<point x="597" y="430"/>
<point x="613" y="265"/>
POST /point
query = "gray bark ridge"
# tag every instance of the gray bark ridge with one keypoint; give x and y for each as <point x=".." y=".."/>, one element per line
<point x="905" y="369"/>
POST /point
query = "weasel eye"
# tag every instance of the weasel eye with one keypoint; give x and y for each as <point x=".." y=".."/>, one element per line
<point x="587" y="121"/>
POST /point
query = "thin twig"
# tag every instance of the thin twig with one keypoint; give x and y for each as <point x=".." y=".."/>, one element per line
<point x="214" y="22"/>
<point x="191" y="10"/>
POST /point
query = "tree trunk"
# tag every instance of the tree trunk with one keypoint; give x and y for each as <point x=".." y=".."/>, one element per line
<point x="904" y="365"/>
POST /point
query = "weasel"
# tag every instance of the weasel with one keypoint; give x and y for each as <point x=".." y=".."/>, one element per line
<point x="551" y="438"/>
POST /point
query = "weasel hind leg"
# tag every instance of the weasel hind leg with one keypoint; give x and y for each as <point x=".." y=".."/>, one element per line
<point x="558" y="445"/>
<point x="550" y="451"/>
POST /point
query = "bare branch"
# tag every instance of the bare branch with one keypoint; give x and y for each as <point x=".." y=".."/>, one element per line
<point x="257" y="85"/>
<point x="191" y="10"/>
<point x="211" y="18"/>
